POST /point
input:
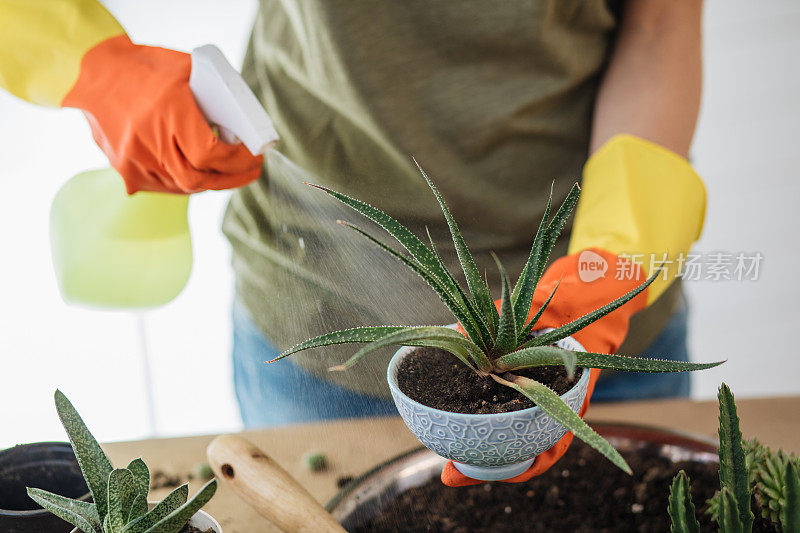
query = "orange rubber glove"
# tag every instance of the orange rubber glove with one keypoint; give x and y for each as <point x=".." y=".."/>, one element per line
<point x="573" y="299"/>
<point x="144" y="117"/>
<point x="638" y="200"/>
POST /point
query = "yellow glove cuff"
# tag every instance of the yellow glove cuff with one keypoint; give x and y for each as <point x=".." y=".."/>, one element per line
<point x="42" y="44"/>
<point x="642" y="201"/>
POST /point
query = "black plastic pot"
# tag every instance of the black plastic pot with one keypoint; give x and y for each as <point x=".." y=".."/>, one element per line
<point x="45" y="465"/>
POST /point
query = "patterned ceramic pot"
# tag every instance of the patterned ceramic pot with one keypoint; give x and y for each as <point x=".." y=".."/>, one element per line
<point x="485" y="446"/>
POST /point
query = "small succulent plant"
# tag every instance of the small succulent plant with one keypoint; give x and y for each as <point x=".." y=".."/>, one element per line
<point x="776" y="488"/>
<point x="744" y="468"/>
<point x="315" y="461"/>
<point x="767" y="473"/>
<point x="496" y="342"/>
<point x="119" y="495"/>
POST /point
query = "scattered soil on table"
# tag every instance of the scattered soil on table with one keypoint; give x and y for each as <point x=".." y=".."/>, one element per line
<point x="343" y="480"/>
<point x="582" y="493"/>
<point x="161" y="479"/>
<point x="436" y="378"/>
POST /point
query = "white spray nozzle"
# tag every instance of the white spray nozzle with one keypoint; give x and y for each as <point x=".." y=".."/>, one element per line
<point x="227" y="102"/>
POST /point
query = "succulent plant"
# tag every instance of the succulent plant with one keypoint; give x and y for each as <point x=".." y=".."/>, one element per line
<point x="745" y="467"/>
<point x="768" y="475"/>
<point x="681" y="508"/>
<point x="774" y="482"/>
<point x="733" y="477"/>
<point x="119" y="495"/>
<point x="496" y="343"/>
<point x="753" y="457"/>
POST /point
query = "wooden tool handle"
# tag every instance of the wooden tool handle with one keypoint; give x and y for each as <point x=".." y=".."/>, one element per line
<point x="268" y="488"/>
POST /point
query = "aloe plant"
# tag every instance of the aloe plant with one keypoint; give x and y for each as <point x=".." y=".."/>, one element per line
<point x="119" y="495"/>
<point x="746" y="467"/>
<point x="496" y="343"/>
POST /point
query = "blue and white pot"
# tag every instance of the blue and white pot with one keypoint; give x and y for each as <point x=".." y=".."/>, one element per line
<point x="486" y="446"/>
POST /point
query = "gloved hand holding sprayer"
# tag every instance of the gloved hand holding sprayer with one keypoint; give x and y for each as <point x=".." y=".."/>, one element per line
<point x="168" y="121"/>
<point x="638" y="199"/>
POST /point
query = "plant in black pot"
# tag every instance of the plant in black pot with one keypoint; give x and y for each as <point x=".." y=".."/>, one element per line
<point x="498" y="346"/>
<point x="50" y="465"/>
<point x="119" y="495"/>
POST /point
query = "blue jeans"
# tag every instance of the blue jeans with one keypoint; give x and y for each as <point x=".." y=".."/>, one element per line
<point x="286" y="393"/>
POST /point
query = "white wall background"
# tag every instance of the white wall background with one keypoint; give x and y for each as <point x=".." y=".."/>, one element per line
<point x="746" y="149"/>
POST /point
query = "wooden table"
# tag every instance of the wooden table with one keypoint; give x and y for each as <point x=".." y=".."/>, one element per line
<point x="354" y="446"/>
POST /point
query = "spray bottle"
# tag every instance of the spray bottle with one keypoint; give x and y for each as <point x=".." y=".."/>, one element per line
<point x="116" y="251"/>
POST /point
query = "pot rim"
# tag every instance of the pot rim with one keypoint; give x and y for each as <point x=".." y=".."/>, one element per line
<point x="36" y="513"/>
<point x="214" y="523"/>
<point x="399" y="355"/>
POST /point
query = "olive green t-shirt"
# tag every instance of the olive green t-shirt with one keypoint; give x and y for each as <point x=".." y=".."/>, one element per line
<point x="493" y="98"/>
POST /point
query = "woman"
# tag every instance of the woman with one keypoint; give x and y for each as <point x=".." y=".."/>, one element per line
<point x="496" y="100"/>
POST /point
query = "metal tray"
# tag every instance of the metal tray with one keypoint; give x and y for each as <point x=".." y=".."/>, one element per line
<point x="364" y="498"/>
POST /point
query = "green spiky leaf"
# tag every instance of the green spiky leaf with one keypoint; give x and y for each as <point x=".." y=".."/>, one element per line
<point x="80" y="514"/>
<point x="681" y="508"/>
<point x="554" y="406"/>
<point x="506" y="339"/>
<point x="121" y="493"/>
<point x="461" y="313"/>
<point x="138" y="508"/>
<point x="426" y="258"/>
<point x="790" y="515"/>
<point x="345" y="336"/>
<point x="540" y="254"/>
<point x="162" y="509"/>
<point x="537" y="356"/>
<point x="589" y="318"/>
<point x="173" y="522"/>
<point x="141" y="476"/>
<point x="754" y="458"/>
<point x="467" y="300"/>
<point x="556" y="225"/>
<point x="94" y="463"/>
<point x="732" y="467"/>
<point x="431" y="336"/>
<point x="553" y="230"/>
<point x="730" y="520"/>
<point x="551" y="355"/>
<point x="528" y="328"/>
<point x="480" y="292"/>
<point x="522" y="295"/>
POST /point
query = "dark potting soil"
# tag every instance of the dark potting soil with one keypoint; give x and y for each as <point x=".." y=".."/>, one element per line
<point x="582" y="493"/>
<point x="191" y="529"/>
<point x="436" y="378"/>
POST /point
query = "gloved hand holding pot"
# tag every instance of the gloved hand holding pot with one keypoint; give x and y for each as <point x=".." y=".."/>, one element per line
<point x="546" y="318"/>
